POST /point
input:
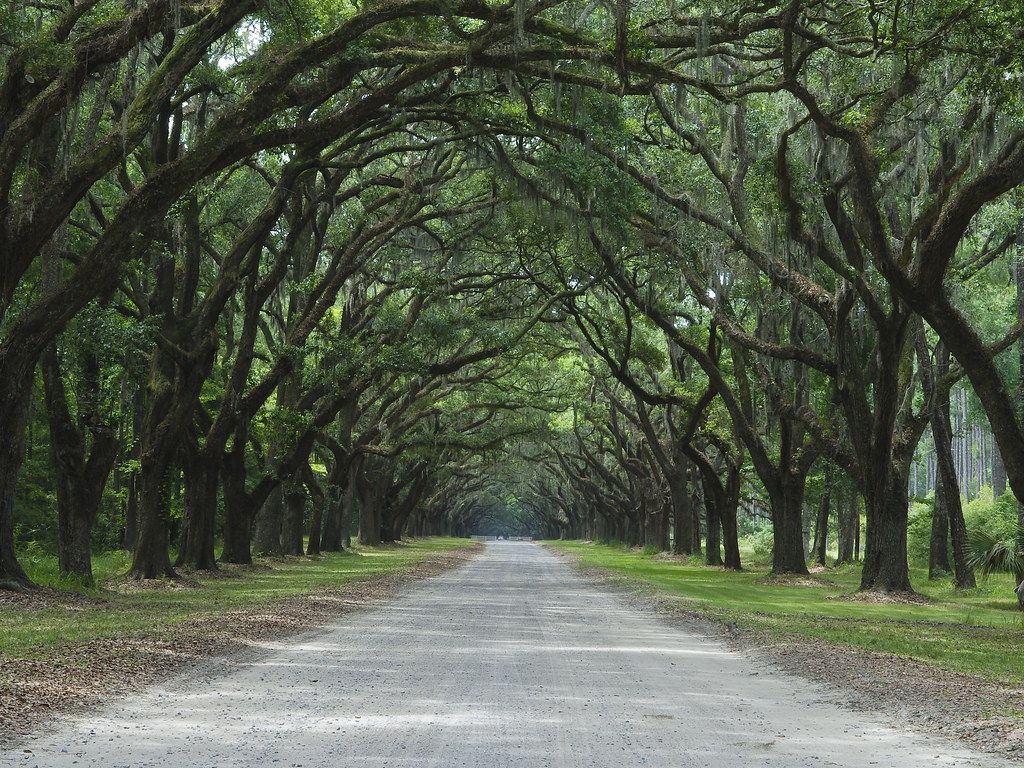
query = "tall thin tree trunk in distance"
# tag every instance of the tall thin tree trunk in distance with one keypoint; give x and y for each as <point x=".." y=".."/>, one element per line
<point x="998" y="472"/>
<point x="696" y="503"/>
<point x="938" y="557"/>
<point x="294" y="517"/>
<point x="821" y="528"/>
<point x="942" y="434"/>
<point x="846" y="507"/>
<point x="1018" y="274"/>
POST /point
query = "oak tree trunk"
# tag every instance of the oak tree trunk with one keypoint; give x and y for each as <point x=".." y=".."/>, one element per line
<point x="199" y="521"/>
<point x="330" y="540"/>
<point x="885" y="552"/>
<point x="15" y="391"/>
<point x="347" y="513"/>
<point x="237" y="511"/>
<point x="682" y="515"/>
<point x="266" y="536"/>
<point x="730" y="533"/>
<point x="80" y="472"/>
<point x="151" y="558"/>
<point x="787" y="503"/>
<point x="294" y="518"/>
<point x="713" y="554"/>
<point x="938" y="549"/>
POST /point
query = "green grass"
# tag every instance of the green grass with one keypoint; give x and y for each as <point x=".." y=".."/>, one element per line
<point x="26" y="632"/>
<point x="977" y="631"/>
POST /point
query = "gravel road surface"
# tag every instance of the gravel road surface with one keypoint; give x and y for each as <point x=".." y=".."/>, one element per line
<point x="513" y="660"/>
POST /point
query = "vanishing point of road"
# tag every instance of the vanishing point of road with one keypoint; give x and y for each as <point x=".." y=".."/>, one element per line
<point x="512" y="660"/>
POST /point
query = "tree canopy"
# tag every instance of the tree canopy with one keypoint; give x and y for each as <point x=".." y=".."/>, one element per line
<point x="271" y="273"/>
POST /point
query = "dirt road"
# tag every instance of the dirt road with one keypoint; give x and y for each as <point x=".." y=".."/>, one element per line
<point x="512" y="660"/>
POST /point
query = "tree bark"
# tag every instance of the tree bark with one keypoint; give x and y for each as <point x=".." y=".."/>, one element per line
<point x="266" y="537"/>
<point x="198" y="532"/>
<point x="713" y="553"/>
<point x="942" y="433"/>
<point x="664" y="526"/>
<point x="787" y="503"/>
<point x="15" y="394"/>
<point x="315" y="543"/>
<point x="696" y="503"/>
<point x="330" y="540"/>
<point x="821" y="528"/>
<point x="849" y="523"/>
<point x="729" y="507"/>
<point x="682" y="514"/>
<point x="237" y="510"/>
<point x="885" y="554"/>
<point x="347" y="512"/>
<point x="294" y="518"/>
<point x="938" y="555"/>
<point x="80" y="473"/>
<point x="368" y="500"/>
<point x="151" y="558"/>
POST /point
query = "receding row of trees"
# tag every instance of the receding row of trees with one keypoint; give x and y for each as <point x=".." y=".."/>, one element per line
<point x="273" y="272"/>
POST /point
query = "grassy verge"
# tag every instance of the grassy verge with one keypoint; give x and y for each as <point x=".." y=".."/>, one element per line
<point x="977" y="631"/>
<point x="116" y="609"/>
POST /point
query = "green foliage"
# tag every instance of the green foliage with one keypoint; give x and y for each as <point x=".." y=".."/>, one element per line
<point x="988" y="520"/>
<point x="990" y="554"/>
<point x="760" y="541"/>
<point x="997" y="517"/>
<point x="919" y="532"/>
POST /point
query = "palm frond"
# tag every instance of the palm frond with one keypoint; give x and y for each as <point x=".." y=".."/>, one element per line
<point x="990" y="554"/>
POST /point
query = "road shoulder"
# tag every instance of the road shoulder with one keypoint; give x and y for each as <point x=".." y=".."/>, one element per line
<point x="987" y="715"/>
<point x="77" y="677"/>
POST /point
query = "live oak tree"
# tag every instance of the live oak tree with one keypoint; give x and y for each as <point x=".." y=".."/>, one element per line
<point x="276" y="277"/>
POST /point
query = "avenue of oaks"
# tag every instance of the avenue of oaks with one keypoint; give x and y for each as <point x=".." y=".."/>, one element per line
<point x="274" y="275"/>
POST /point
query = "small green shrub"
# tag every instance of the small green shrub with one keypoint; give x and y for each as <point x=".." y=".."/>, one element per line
<point x="996" y="517"/>
<point x="919" y="531"/>
<point x="985" y="516"/>
<point x="759" y="541"/>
